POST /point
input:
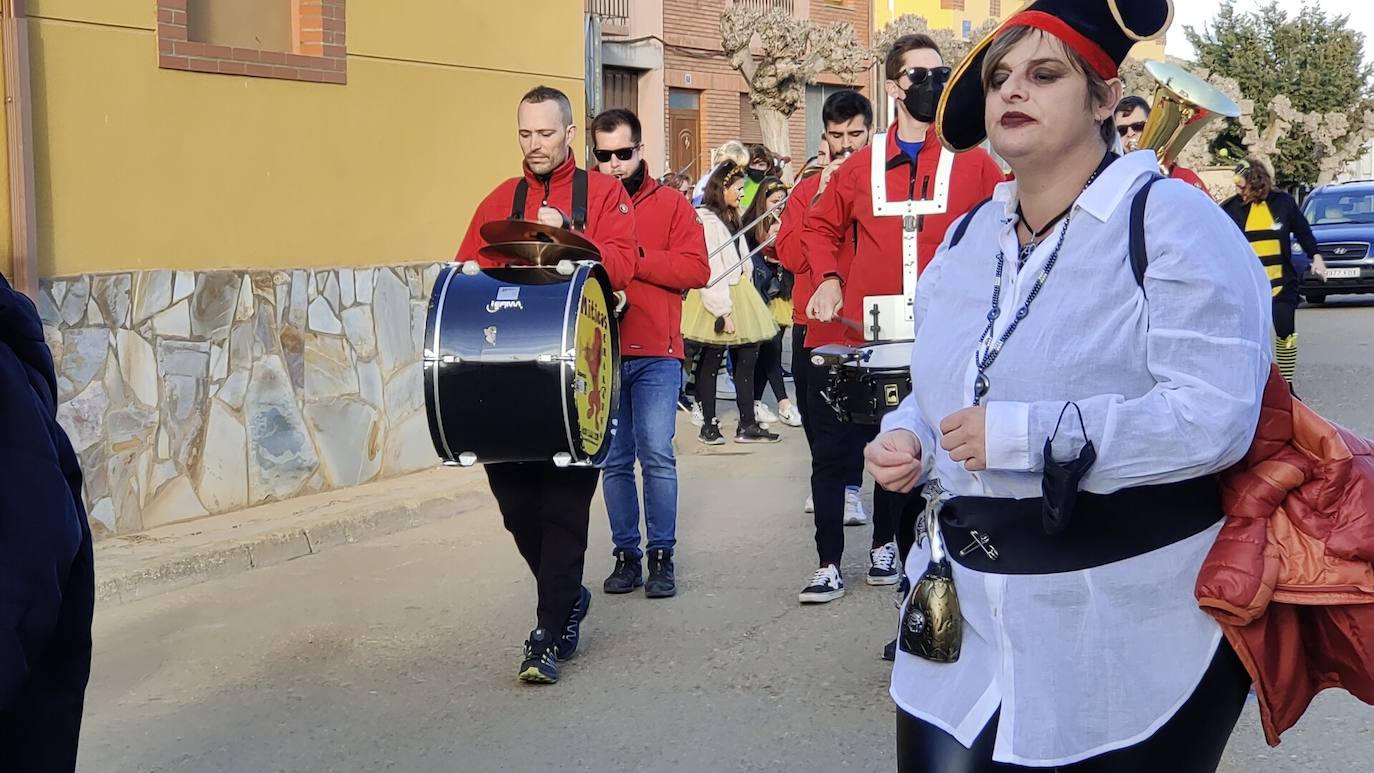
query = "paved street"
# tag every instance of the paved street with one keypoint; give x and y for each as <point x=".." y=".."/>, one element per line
<point x="400" y="653"/>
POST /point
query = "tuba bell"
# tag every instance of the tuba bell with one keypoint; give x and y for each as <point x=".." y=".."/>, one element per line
<point x="1183" y="104"/>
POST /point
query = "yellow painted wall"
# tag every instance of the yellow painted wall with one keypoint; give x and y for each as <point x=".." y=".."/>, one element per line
<point x="977" y="12"/>
<point x="139" y="167"/>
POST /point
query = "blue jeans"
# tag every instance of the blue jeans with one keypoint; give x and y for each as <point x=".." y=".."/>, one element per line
<point x="647" y="421"/>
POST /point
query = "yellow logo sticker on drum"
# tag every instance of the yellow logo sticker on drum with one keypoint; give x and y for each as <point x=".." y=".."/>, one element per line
<point x="594" y="365"/>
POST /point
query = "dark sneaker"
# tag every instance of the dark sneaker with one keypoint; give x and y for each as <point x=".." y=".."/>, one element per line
<point x="882" y="566"/>
<point x="627" y="575"/>
<point x="754" y="433"/>
<point x="826" y="585"/>
<point x="539" y="665"/>
<point x="566" y="646"/>
<point x="661" y="583"/>
<point x="890" y="651"/>
<point x="710" y="434"/>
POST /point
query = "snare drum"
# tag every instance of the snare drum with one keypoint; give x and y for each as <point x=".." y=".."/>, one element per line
<point x="522" y="364"/>
<point x="866" y="381"/>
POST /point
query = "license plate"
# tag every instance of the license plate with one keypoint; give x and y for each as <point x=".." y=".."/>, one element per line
<point x="1342" y="273"/>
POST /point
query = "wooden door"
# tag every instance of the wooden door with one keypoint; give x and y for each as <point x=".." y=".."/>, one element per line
<point x="685" y="152"/>
<point x="620" y="89"/>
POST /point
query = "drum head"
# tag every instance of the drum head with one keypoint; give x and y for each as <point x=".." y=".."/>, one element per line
<point x="595" y="369"/>
<point x="895" y="355"/>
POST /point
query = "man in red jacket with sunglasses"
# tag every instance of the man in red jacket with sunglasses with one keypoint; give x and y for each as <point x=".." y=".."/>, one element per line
<point x="879" y="221"/>
<point x="546" y="508"/>
<point x="672" y="259"/>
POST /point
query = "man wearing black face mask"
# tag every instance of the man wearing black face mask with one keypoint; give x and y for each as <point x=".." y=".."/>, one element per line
<point x="877" y="223"/>
<point x="761" y="164"/>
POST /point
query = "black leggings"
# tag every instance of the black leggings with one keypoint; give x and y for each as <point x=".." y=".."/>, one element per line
<point x="768" y="371"/>
<point x="745" y="359"/>
<point x="1286" y="311"/>
<point x="1192" y="741"/>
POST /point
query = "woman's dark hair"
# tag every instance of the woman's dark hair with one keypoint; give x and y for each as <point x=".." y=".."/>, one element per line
<point x="714" y="197"/>
<point x="1259" y="183"/>
<point x="842" y="106"/>
<point x="767" y="187"/>
<point x="760" y="154"/>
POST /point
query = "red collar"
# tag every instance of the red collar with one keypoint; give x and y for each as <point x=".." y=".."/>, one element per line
<point x="562" y="174"/>
<point x="896" y="156"/>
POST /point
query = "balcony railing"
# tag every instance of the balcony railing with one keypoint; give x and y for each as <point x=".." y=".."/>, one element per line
<point x="614" y="12"/>
<point x="767" y="5"/>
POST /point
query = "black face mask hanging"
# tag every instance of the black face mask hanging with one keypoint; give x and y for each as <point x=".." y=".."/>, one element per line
<point x="757" y="175"/>
<point x="1061" y="481"/>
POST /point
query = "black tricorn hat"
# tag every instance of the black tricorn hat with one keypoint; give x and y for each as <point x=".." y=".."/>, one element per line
<point x="1101" y="31"/>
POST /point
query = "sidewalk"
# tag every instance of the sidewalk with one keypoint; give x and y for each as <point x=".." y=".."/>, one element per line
<point x="175" y="556"/>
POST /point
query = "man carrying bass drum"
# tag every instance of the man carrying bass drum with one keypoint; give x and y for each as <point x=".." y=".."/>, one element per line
<point x="546" y="508"/>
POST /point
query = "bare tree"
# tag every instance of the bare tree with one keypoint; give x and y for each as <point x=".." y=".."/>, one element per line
<point x="779" y="55"/>
<point x="952" y="47"/>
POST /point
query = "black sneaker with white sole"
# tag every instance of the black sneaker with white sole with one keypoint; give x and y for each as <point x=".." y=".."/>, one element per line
<point x="755" y="433"/>
<point x="710" y="434"/>
<point x="826" y="585"/>
<point x="882" y="566"/>
<point x="540" y="665"/>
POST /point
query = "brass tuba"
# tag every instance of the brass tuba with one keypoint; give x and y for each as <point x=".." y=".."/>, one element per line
<point x="1183" y="104"/>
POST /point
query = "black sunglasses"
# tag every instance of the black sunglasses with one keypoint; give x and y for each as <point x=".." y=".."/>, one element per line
<point x="623" y="154"/>
<point x="919" y="75"/>
<point x="1138" y="127"/>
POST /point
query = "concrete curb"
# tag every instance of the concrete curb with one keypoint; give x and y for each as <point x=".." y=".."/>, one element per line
<point x="168" y="570"/>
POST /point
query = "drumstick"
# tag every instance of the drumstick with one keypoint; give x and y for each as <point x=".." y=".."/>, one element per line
<point x="851" y="324"/>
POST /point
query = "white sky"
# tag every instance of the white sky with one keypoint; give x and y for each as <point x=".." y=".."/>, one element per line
<point x="1197" y="13"/>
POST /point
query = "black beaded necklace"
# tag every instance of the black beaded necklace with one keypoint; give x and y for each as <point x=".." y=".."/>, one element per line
<point x="988" y="348"/>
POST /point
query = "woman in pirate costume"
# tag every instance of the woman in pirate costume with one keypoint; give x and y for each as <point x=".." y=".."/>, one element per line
<point x="1271" y="220"/>
<point x="1068" y="413"/>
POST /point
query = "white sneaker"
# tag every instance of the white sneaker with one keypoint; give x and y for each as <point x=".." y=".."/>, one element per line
<point x="826" y="585"/>
<point x="697" y="418"/>
<point x="854" y="514"/>
<point x="791" y="417"/>
<point x="883" y="569"/>
<point x="764" y="415"/>
<point x="810" y="506"/>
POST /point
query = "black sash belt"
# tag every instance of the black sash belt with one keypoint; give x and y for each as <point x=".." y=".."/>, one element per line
<point x="1105" y="527"/>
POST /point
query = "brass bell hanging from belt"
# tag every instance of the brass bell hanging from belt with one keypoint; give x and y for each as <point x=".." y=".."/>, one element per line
<point x="932" y="626"/>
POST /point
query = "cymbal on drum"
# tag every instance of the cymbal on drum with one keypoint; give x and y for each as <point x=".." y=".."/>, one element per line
<point x="521" y="242"/>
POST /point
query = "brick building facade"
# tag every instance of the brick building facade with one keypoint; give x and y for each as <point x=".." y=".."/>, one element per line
<point x="686" y="85"/>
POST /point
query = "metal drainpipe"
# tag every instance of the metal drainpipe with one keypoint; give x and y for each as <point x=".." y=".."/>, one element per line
<point x="18" y="118"/>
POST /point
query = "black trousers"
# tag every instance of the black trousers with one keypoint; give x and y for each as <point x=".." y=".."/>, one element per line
<point x="1192" y="741"/>
<point x="546" y="509"/>
<point x="801" y="368"/>
<point x="837" y="461"/>
<point x="745" y="359"/>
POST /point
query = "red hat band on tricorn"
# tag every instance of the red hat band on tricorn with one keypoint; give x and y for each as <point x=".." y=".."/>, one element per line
<point x="1101" y="31"/>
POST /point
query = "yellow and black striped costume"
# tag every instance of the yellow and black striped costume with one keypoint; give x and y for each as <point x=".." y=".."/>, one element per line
<point x="1271" y="226"/>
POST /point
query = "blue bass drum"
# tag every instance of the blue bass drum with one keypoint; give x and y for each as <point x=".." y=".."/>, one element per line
<point x="522" y="364"/>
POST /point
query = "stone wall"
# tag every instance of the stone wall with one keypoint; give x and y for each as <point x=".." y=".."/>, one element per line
<point x="188" y="393"/>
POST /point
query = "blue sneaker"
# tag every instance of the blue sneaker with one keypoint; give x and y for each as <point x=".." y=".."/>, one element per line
<point x="539" y="665"/>
<point x="566" y="646"/>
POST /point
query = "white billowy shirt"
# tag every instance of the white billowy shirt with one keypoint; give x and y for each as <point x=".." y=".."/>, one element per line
<point x="1169" y="382"/>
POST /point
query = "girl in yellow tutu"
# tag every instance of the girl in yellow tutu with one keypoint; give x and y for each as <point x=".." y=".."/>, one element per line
<point x="774" y="284"/>
<point x="728" y="314"/>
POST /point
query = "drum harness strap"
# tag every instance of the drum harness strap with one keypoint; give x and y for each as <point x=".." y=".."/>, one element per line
<point x="579" y="199"/>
